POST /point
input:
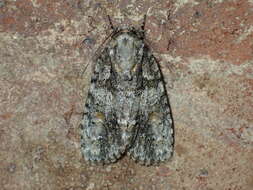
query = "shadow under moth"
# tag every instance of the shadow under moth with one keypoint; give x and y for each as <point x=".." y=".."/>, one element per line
<point x="127" y="109"/>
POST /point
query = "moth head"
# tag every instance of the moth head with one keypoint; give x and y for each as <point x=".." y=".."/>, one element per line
<point x="126" y="51"/>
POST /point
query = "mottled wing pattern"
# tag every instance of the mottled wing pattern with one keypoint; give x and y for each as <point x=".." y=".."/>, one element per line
<point x="100" y="138"/>
<point x="154" y="142"/>
<point x="127" y="108"/>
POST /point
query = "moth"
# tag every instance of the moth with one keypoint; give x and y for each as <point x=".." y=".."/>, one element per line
<point x="127" y="109"/>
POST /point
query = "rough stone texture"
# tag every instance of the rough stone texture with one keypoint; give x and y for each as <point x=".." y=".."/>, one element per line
<point x="205" y="49"/>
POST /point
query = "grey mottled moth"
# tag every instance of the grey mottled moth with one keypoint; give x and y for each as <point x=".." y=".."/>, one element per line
<point x="127" y="109"/>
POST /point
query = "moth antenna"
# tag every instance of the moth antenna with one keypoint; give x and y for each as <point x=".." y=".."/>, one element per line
<point x="110" y="21"/>
<point x="144" y="22"/>
<point x="143" y="25"/>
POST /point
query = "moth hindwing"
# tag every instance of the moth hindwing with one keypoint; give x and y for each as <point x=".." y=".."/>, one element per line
<point x="127" y="108"/>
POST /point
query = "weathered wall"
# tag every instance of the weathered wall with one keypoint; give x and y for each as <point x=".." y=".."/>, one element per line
<point x="205" y="50"/>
